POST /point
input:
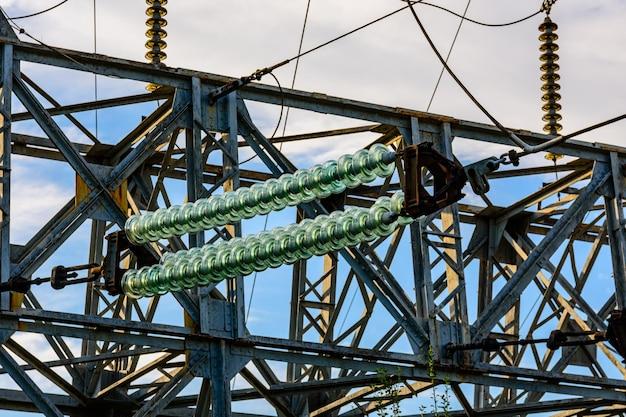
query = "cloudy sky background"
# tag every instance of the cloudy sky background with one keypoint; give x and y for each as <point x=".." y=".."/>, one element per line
<point x="389" y="63"/>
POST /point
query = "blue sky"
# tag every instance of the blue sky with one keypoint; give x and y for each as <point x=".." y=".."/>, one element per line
<point x="387" y="64"/>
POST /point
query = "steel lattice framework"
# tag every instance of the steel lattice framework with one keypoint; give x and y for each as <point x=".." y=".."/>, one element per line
<point x="329" y="368"/>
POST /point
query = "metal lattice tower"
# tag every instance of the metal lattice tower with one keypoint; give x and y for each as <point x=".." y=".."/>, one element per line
<point x="457" y="276"/>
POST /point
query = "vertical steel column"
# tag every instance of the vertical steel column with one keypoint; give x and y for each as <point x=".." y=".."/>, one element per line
<point x="121" y="308"/>
<point x="615" y="230"/>
<point x="424" y="303"/>
<point x="328" y="299"/>
<point x="92" y="299"/>
<point x="193" y="155"/>
<point x="5" y="170"/>
<point x="220" y="381"/>
<point x="451" y="227"/>
<point x="511" y="327"/>
<point x="485" y="294"/>
<point x="195" y="170"/>
<point x="231" y="171"/>
<point x="296" y="317"/>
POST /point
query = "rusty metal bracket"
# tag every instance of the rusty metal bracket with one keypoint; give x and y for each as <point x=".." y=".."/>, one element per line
<point x="477" y="174"/>
<point x="117" y="243"/>
<point x="448" y="179"/>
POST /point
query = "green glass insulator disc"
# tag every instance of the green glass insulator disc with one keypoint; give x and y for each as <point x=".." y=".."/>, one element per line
<point x="254" y="249"/>
<point x="287" y="182"/>
<point x="314" y="180"/>
<point x="230" y="205"/>
<point x="290" y="246"/>
<point x="131" y="229"/>
<point x="155" y="284"/>
<point x="360" y="162"/>
<point x="262" y="199"/>
<point x="273" y="248"/>
<point x="195" y="217"/>
<point x="304" y="179"/>
<point x="280" y="250"/>
<point x="248" y="242"/>
<point x="379" y="166"/>
<point x="308" y="241"/>
<point x="168" y="224"/>
<point x="221" y="211"/>
<point x="244" y="208"/>
<point x="347" y="175"/>
<point x="129" y="281"/>
<point x="316" y="248"/>
<point x="185" y="212"/>
<point x="327" y="231"/>
<point x="360" y="220"/>
<point x="209" y="211"/>
<point x="195" y="265"/>
<point x="331" y="176"/>
<point x="298" y="233"/>
<point x="265" y="251"/>
<point x="151" y="227"/>
<point x="274" y="188"/>
<point x="200" y="209"/>
<point x="167" y="276"/>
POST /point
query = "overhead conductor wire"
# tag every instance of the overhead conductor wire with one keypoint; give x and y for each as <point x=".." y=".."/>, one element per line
<point x="527" y="149"/>
<point x="39" y="12"/>
<point x="409" y="5"/>
<point x="24" y="32"/>
<point x="504" y="130"/>
<point x="456" y="36"/>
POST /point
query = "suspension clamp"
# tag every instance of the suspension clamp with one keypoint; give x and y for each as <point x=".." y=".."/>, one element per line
<point x="448" y="179"/>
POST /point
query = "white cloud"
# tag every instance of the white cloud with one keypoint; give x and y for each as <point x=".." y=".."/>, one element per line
<point x="36" y="343"/>
<point x="35" y="197"/>
<point x="388" y="63"/>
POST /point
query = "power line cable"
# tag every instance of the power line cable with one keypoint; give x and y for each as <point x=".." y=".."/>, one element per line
<point x="527" y="149"/>
<point x="491" y="25"/>
<point x="295" y="70"/>
<point x="343" y="322"/>
<point x="39" y="12"/>
<point x="293" y="82"/>
<point x="259" y="73"/>
<point x="282" y="105"/>
<point x="24" y="32"/>
<point x="456" y="35"/>
<point x="337" y="38"/>
<point x="499" y="125"/>
<point x="560" y="139"/>
<point x="280" y="116"/>
<point x="409" y="5"/>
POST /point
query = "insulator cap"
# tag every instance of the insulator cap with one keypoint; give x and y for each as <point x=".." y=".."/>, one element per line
<point x="155" y="44"/>
<point x="550" y="77"/>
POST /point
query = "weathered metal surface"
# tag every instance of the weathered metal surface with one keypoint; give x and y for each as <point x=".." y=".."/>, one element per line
<point x="457" y="289"/>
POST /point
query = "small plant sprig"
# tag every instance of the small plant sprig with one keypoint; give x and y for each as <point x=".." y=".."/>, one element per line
<point x="388" y="393"/>
<point x="387" y="399"/>
<point x="440" y="401"/>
